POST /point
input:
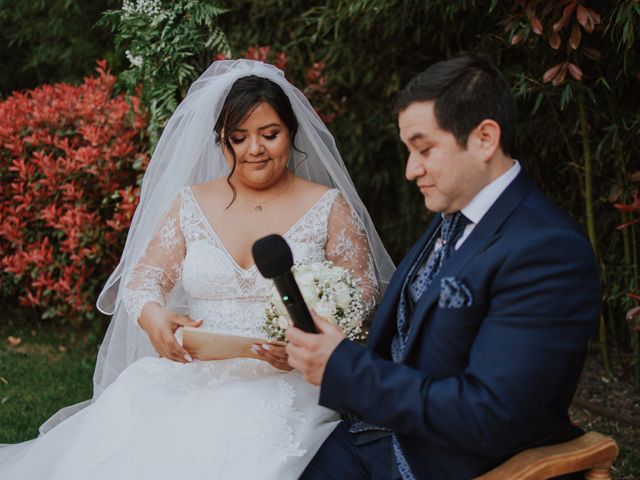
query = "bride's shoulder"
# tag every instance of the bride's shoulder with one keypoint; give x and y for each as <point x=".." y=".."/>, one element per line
<point x="208" y="185"/>
<point x="208" y="189"/>
<point x="311" y="190"/>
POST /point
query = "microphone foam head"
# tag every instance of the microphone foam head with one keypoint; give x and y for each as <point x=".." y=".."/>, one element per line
<point x="272" y="255"/>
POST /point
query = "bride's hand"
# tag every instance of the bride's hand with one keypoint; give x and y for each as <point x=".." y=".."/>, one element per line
<point x="273" y="353"/>
<point x="160" y="325"/>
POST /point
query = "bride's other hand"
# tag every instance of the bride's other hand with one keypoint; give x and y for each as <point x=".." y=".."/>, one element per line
<point x="160" y="325"/>
<point x="273" y="353"/>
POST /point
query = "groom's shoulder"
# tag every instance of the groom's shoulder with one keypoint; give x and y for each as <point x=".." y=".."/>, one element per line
<point x="538" y="217"/>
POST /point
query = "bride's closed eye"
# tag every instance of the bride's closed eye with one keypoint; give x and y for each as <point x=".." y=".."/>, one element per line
<point x="266" y="136"/>
<point x="271" y="136"/>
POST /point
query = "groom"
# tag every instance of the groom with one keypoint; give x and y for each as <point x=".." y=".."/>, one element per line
<point x="477" y="345"/>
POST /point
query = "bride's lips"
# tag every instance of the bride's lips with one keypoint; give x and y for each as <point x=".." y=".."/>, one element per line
<point x="257" y="162"/>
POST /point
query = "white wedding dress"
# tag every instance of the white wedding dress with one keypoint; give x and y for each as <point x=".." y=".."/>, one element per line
<point x="231" y="419"/>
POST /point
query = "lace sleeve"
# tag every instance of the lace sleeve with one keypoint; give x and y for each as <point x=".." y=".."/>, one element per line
<point x="348" y="247"/>
<point x="158" y="269"/>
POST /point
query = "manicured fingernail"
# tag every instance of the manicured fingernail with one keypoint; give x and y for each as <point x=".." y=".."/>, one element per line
<point x="188" y="358"/>
<point x="265" y="346"/>
<point x="255" y="349"/>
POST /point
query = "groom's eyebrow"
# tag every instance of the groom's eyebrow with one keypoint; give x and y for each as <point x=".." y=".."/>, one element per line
<point x="416" y="136"/>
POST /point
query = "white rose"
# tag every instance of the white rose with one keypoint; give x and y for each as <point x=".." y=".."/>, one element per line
<point x="315" y="267"/>
<point x="337" y="274"/>
<point x="343" y="296"/>
<point x="305" y="278"/>
<point x="283" y="323"/>
<point x="310" y="295"/>
<point x="327" y="310"/>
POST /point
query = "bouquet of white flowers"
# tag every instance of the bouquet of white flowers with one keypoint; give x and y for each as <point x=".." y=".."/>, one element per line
<point x="332" y="291"/>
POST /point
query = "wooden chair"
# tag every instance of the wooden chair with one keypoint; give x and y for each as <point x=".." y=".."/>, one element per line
<point x="592" y="453"/>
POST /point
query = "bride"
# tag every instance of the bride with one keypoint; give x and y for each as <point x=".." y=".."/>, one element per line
<point x="243" y="156"/>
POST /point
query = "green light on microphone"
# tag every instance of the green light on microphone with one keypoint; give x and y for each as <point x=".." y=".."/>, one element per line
<point x="285" y="298"/>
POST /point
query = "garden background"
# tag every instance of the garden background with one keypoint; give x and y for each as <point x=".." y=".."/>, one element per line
<point x="85" y="88"/>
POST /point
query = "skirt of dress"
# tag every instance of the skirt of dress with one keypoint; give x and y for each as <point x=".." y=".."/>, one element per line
<point x="231" y="419"/>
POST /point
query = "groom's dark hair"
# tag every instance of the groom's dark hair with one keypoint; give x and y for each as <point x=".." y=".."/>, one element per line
<point x="466" y="90"/>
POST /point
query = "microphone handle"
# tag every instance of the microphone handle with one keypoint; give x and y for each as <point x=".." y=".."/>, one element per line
<point x="294" y="302"/>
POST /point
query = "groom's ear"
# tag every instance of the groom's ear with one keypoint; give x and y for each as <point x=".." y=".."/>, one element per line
<point x="484" y="140"/>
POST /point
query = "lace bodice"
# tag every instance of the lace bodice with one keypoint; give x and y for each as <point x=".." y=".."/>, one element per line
<point x="227" y="297"/>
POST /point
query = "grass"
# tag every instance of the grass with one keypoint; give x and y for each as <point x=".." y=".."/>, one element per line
<point x="48" y="370"/>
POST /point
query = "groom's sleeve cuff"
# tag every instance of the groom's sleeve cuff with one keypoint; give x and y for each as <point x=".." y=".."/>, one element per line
<point x="338" y="379"/>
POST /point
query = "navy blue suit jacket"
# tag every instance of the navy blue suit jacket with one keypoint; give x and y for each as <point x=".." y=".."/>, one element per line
<point x="482" y="382"/>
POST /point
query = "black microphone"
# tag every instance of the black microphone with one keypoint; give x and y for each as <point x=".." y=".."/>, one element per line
<point x="274" y="260"/>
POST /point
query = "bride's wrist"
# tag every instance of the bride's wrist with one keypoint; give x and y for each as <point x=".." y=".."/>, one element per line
<point x="148" y="312"/>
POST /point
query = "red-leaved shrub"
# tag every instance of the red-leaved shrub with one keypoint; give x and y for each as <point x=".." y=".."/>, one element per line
<point x="70" y="157"/>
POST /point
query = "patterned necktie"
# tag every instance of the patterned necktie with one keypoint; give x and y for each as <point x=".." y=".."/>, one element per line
<point x="451" y="229"/>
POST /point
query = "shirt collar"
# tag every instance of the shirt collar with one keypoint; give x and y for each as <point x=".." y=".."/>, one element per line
<point x="485" y="198"/>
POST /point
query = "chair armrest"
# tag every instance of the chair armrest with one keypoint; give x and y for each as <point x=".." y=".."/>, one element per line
<point x="591" y="451"/>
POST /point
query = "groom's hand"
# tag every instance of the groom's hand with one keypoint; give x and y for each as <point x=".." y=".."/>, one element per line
<point x="310" y="352"/>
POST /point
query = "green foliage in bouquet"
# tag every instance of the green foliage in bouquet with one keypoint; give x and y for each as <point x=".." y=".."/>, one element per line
<point x="168" y="44"/>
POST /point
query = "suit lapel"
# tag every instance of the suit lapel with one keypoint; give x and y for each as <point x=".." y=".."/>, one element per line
<point x="384" y="323"/>
<point x="484" y="233"/>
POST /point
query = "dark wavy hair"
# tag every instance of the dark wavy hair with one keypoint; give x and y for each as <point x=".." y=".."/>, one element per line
<point x="466" y="90"/>
<point x="246" y="94"/>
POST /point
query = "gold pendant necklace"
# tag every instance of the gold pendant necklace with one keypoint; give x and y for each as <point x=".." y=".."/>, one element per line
<point x="258" y="205"/>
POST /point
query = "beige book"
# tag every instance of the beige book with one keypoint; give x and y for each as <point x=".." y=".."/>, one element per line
<point x="205" y="345"/>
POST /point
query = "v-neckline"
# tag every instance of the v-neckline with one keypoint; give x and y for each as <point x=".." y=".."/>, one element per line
<point x="213" y="233"/>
